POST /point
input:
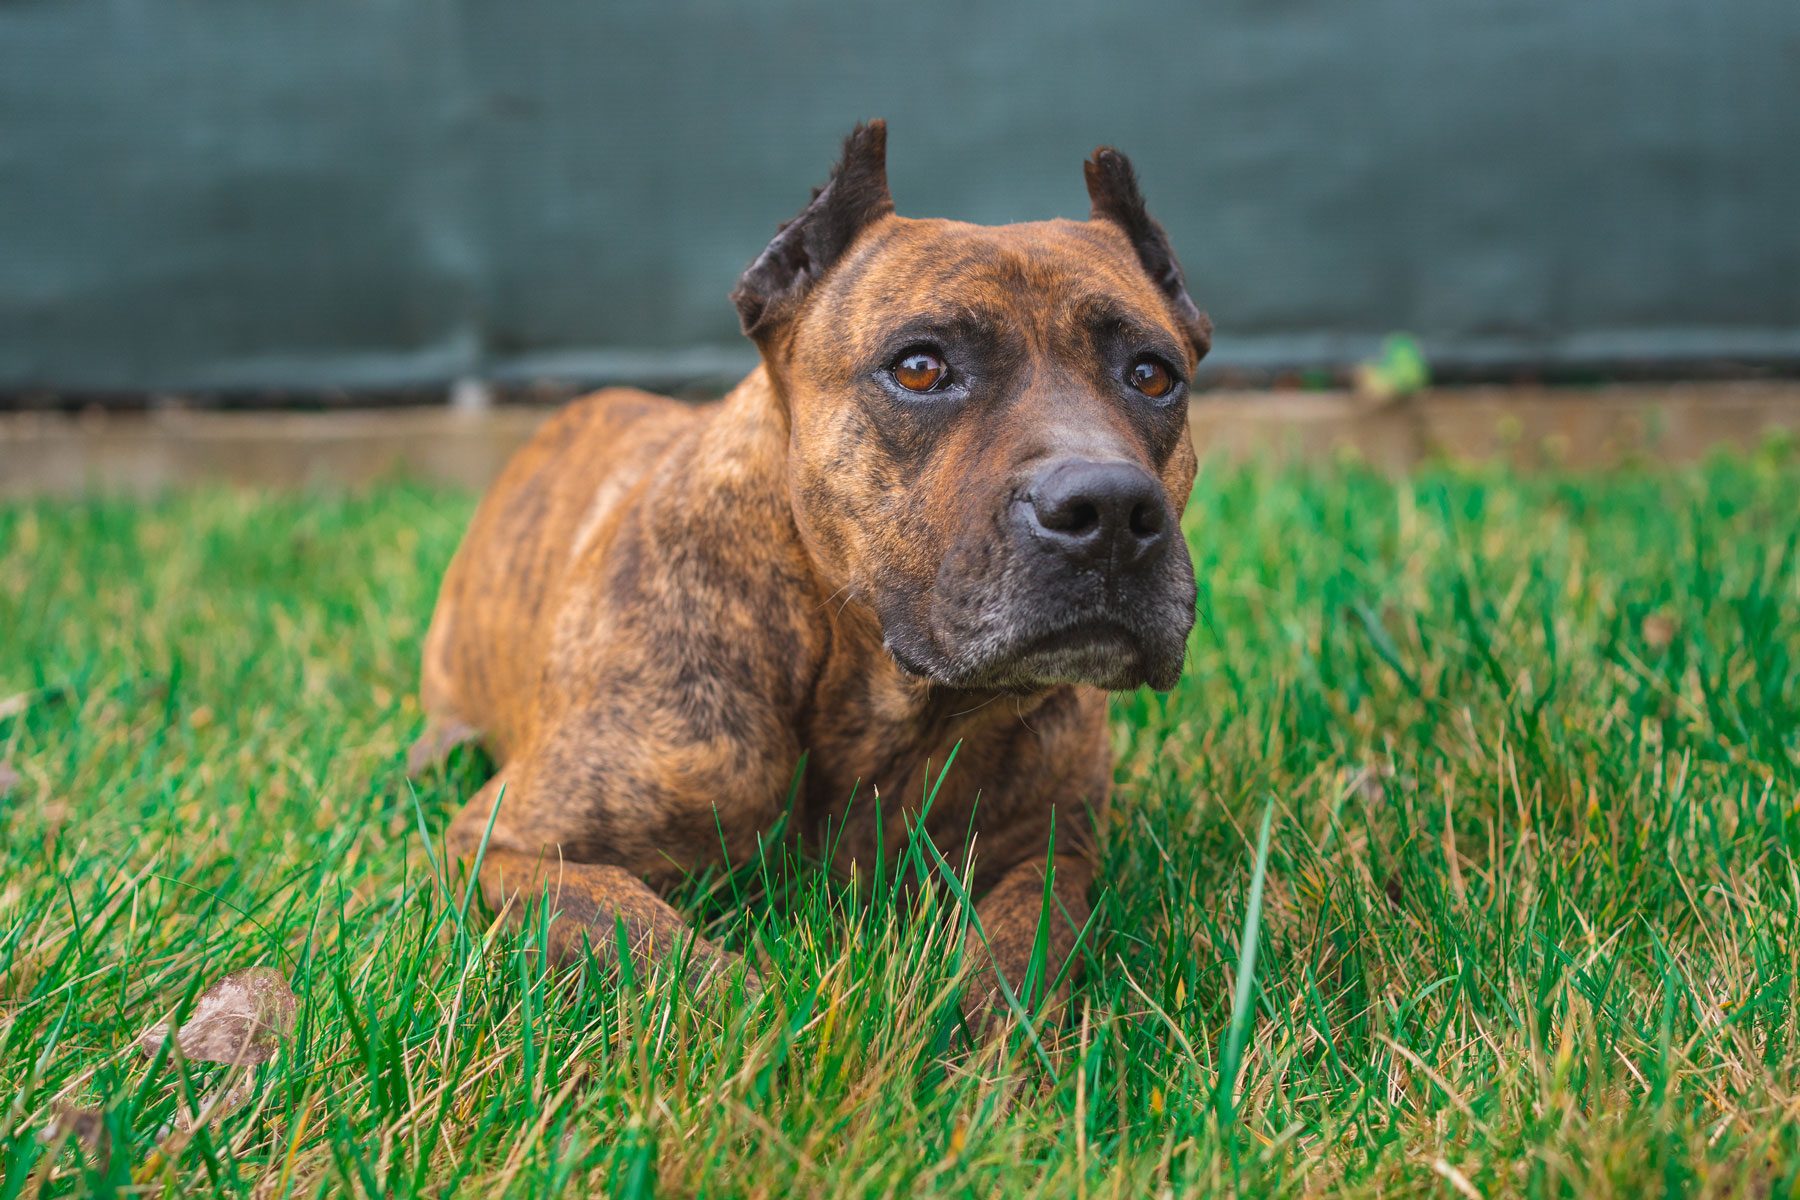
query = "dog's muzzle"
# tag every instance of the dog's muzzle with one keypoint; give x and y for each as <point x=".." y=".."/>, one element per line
<point x="1089" y="583"/>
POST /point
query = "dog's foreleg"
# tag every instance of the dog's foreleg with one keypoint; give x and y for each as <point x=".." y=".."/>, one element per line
<point x="595" y="908"/>
<point x="1027" y="903"/>
<point x="602" y="910"/>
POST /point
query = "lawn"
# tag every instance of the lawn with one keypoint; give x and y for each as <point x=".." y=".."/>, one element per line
<point x="1528" y="746"/>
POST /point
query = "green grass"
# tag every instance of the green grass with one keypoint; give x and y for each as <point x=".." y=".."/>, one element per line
<point x="1528" y="746"/>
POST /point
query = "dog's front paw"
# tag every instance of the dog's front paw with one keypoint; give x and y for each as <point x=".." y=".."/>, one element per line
<point x="988" y="1013"/>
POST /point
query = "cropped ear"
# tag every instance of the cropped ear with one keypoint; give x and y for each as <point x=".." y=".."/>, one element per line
<point x="855" y="196"/>
<point x="1113" y="189"/>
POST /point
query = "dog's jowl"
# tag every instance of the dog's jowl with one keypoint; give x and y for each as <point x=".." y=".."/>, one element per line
<point x="944" y="509"/>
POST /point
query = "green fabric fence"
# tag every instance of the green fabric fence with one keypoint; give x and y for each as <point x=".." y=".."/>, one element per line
<point x="375" y="193"/>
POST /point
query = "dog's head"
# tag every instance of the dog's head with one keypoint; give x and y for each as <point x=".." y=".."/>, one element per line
<point x="989" y="440"/>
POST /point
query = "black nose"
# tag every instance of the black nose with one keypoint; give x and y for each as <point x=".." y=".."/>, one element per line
<point x="1109" y="514"/>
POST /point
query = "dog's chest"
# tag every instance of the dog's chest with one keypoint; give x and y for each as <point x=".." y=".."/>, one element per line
<point x="869" y="784"/>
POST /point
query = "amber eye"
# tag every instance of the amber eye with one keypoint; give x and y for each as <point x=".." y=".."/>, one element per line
<point x="1152" y="378"/>
<point x="919" y="371"/>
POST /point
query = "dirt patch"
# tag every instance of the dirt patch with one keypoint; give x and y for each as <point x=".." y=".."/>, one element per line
<point x="59" y="455"/>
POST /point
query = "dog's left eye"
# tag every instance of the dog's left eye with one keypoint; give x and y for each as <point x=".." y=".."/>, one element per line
<point x="919" y="371"/>
<point x="1149" y="376"/>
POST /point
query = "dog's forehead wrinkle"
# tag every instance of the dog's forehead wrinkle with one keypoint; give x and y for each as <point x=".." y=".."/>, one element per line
<point x="926" y="249"/>
<point x="1047" y="286"/>
<point x="956" y="316"/>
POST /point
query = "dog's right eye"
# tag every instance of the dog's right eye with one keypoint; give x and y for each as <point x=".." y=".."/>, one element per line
<point x="919" y="371"/>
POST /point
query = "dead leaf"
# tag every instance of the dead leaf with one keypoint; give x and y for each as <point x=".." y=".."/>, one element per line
<point x="9" y="779"/>
<point x="241" y="1019"/>
<point x="85" y="1125"/>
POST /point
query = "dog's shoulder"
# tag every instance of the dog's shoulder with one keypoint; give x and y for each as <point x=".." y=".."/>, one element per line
<point x="696" y="573"/>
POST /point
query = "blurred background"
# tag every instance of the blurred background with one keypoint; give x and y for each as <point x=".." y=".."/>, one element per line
<point x="360" y="200"/>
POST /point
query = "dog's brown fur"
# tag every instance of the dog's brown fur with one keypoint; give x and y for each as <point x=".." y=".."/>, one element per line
<point x="659" y="607"/>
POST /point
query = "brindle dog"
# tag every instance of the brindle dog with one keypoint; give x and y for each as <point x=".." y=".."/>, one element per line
<point x="943" y="510"/>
